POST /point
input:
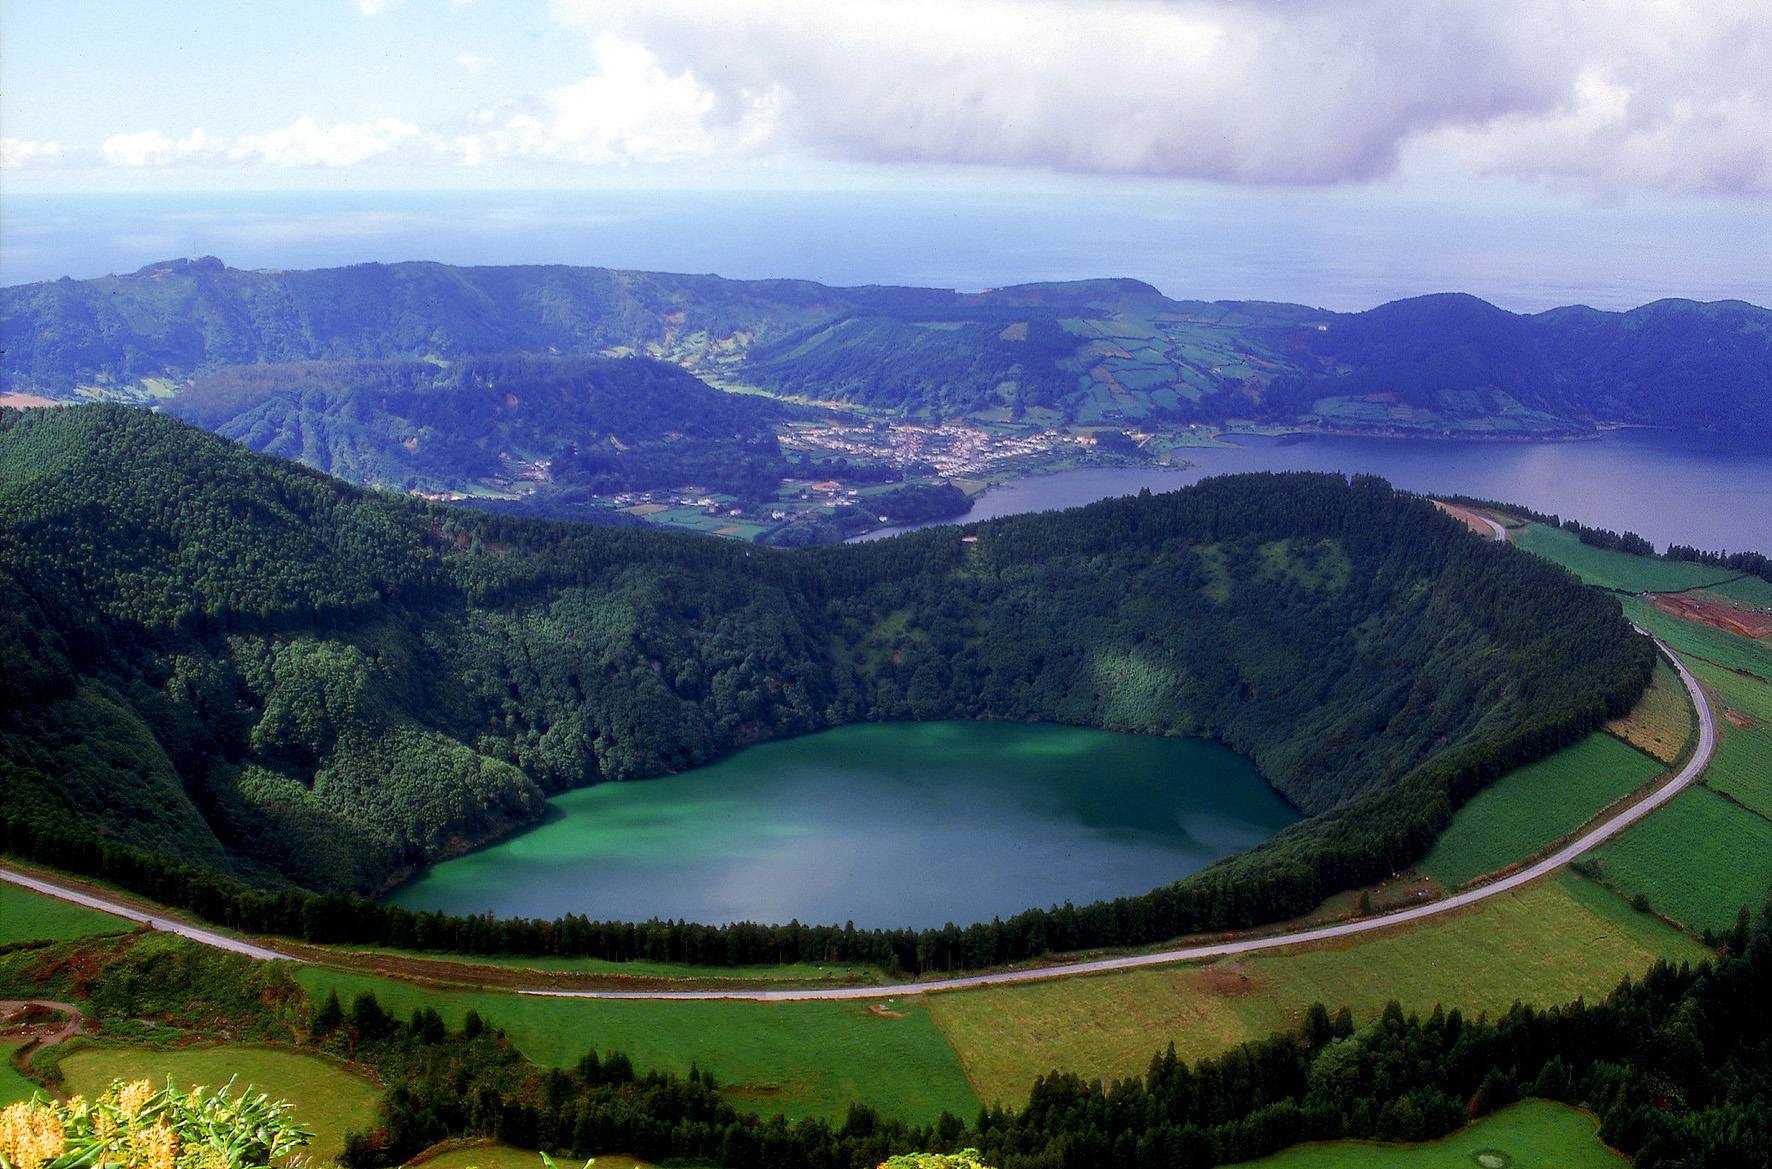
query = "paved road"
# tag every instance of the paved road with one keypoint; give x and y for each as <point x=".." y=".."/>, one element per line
<point x="1707" y="740"/>
<point x="195" y="933"/>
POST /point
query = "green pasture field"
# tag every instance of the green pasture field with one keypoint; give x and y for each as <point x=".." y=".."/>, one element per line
<point x="1537" y="1134"/>
<point x="1689" y="639"/>
<point x="497" y="1156"/>
<point x="1529" y="808"/>
<point x="796" y="1058"/>
<point x="1698" y="860"/>
<point x="833" y="973"/>
<point x="1750" y="590"/>
<point x="1615" y="570"/>
<point x="1545" y="943"/>
<point x="13" y="1085"/>
<point x="33" y="917"/>
<point x="1663" y="721"/>
<point x="1742" y="766"/>
<point x="327" y="1099"/>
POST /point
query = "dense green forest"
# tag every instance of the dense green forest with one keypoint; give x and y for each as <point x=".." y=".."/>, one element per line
<point x="1674" y="1065"/>
<point x="572" y="424"/>
<point x="221" y="667"/>
<point x="1114" y="352"/>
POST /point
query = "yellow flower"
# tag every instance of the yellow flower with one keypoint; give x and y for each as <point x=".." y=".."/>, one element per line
<point x="30" y="1135"/>
<point x="133" y="1096"/>
<point x="156" y="1147"/>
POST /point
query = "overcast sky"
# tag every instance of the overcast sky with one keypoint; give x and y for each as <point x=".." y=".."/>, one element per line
<point x="1607" y="102"/>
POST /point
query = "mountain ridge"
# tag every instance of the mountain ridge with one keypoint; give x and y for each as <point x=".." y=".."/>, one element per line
<point x="1110" y="351"/>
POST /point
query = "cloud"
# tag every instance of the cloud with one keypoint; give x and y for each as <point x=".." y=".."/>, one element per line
<point x="152" y="148"/>
<point x="629" y="111"/>
<point x="473" y="64"/>
<point x="1604" y="93"/>
<point x="16" y="153"/>
<point x="306" y="143"/>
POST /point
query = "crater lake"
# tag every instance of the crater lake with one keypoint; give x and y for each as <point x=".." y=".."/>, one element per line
<point x="881" y="824"/>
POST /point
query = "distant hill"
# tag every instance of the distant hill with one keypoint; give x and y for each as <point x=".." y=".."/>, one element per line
<point x="1110" y="352"/>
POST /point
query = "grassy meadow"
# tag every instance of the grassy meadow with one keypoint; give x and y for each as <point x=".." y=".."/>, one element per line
<point x="491" y="1155"/>
<point x="1535" y="1135"/>
<point x="13" y="1086"/>
<point x="1532" y="807"/>
<point x="791" y="974"/>
<point x="1742" y="766"/>
<point x="1698" y="860"/>
<point x="1663" y="722"/>
<point x="32" y="917"/>
<point x="795" y="1058"/>
<point x="1691" y="640"/>
<point x="1619" y="571"/>
<point x="1546" y="943"/>
<point x="328" y="1099"/>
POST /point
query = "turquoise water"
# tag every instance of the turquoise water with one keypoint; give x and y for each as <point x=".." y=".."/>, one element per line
<point x="893" y="824"/>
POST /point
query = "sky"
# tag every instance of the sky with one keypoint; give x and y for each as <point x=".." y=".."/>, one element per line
<point x="1577" y="120"/>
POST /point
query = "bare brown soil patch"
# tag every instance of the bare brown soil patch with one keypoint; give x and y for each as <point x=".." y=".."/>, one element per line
<point x="22" y="401"/>
<point x="1739" y="719"/>
<point x="1741" y="622"/>
<point x="1225" y="981"/>
<point x="880" y="1012"/>
<point x="1467" y="517"/>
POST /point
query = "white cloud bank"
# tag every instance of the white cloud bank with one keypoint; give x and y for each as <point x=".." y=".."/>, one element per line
<point x="1669" y="94"/>
<point x="1603" y="95"/>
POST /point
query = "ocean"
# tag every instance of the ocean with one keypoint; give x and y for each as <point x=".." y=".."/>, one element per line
<point x="1343" y="249"/>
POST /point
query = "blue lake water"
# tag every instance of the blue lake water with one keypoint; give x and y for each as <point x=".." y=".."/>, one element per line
<point x="1709" y="491"/>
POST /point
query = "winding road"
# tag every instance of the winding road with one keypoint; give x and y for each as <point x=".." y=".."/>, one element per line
<point x="1707" y="740"/>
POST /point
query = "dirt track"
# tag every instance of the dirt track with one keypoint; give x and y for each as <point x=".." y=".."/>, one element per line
<point x="11" y="1009"/>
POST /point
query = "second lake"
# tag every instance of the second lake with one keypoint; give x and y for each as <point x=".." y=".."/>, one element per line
<point x="881" y="824"/>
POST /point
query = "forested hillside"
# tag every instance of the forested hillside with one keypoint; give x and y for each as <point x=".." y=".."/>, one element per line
<point x="568" y="424"/>
<point x="224" y="656"/>
<point x="1094" y="352"/>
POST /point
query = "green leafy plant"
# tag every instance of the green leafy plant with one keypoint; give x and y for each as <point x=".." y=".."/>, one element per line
<point x="133" y="1126"/>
